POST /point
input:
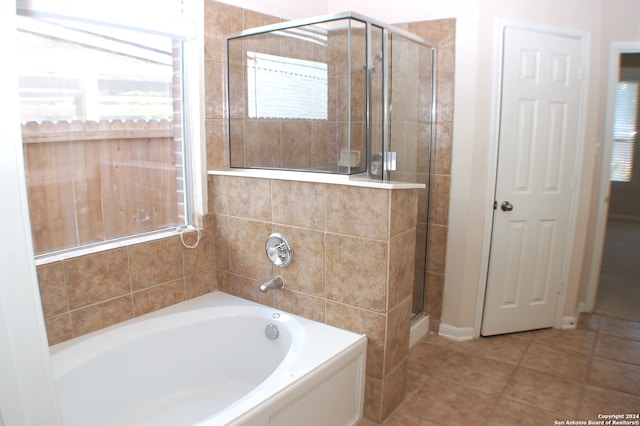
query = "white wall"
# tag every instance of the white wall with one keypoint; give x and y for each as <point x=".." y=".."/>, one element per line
<point x="27" y="396"/>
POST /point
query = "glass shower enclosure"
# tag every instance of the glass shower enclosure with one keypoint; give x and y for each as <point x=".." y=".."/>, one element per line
<point x="342" y="94"/>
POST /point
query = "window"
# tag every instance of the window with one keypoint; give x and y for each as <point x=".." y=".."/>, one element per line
<point x="286" y="88"/>
<point x="104" y="105"/>
<point x="625" y="127"/>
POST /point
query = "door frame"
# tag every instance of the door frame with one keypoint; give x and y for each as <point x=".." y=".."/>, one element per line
<point x="616" y="48"/>
<point x="501" y="24"/>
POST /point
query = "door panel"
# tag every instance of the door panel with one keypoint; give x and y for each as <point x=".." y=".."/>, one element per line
<point x="536" y="168"/>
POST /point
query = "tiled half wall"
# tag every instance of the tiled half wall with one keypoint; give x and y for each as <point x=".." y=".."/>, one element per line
<point x="352" y="265"/>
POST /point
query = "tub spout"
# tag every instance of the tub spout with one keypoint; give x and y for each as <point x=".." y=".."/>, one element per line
<point x="273" y="284"/>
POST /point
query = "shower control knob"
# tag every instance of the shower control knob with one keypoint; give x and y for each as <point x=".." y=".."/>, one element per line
<point x="273" y="254"/>
<point x="278" y="250"/>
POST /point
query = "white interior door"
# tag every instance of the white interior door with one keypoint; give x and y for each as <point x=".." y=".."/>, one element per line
<point x="536" y="179"/>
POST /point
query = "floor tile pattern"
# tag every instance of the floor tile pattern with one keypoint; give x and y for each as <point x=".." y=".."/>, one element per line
<point x="537" y="378"/>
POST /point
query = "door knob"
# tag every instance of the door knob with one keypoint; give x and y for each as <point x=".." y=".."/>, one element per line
<point x="506" y="206"/>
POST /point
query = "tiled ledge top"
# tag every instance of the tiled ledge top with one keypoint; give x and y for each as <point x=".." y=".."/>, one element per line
<point x="328" y="178"/>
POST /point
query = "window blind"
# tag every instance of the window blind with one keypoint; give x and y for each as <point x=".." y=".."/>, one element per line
<point x="625" y="127"/>
<point x="286" y="88"/>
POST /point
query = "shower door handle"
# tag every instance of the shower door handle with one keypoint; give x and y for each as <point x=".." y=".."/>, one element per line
<point x="506" y="206"/>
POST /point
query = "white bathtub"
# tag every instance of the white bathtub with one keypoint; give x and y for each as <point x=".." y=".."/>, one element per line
<point x="207" y="361"/>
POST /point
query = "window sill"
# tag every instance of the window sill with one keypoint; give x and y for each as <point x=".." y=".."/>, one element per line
<point x="104" y="246"/>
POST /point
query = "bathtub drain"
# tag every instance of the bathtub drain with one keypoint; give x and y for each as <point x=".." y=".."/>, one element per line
<point x="271" y="331"/>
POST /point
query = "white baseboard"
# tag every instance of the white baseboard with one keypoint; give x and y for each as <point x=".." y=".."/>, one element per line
<point x="569" y="322"/>
<point x="419" y="329"/>
<point x="623" y="217"/>
<point x="459" y="334"/>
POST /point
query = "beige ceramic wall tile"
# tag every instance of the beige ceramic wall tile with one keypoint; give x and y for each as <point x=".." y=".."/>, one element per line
<point x="254" y="19"/>
<point x="236" y="83"/>
<point x="53" y="291"/>
<point x="354" y="278"/>
<point x="435" y="291"/>
<point x="373" y="400"/>
<point x="249" y="198"/>
<point x="295" y="144"/>
<point x="217" y="144"/>
<point x="262" y="143"/>
<point x="158" y="297"/>
<point x="358" y="95"/>
<point x="439" y="214"/>
<point x="58" y="328"/>
<point x="236" y="51"/>
<point x="323" y="136"/>
<point x="297" y="48"/>
<point x="221" y="242"/>
<point x="223" y="19"/>
<point x="332" y="97"/>
<point x="401" y="267"/>
<point x="445" y="89"/>
<point x="306" y="271"/>
<point x="358" y="142"/>
<point x="404" y="210"/>
<point x="338" y="44"/>
<point x="343" y="97"/>
<point x="155" y="262"/>
<point x="246" y="248"/>
<point x="102" y="315"/>
<point x="238" y="148"/>
<point x="97" y="277"/>
<point x="362" y="212"/>
<point x="223" y="279"/>
<point x="443" y="148"/>
<point x="213" y="39"/>
<point x="249" y="289"/>
<point x="214" y="89"/>
<point x="298" y="203"/>
<point x="300" y="304"/>
<point x="200" y="284"/>
<point x="397" y="339"/>
<point x="203" y="257"/>
<point x="424" y="147"/>
<point x="436" y="31"/>
<point x="393" y="389"/>
<point x="218" y="197"/>
<point x="365" y="322"/>
<point x="423" y="199"/>
<point x="437" y="248"/>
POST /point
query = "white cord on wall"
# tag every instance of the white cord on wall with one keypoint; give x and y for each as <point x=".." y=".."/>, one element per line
<point x="190" y="228"/>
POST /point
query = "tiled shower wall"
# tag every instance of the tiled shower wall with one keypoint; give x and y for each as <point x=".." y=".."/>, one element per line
<point x="223" y="19"/>
<point x="269" y="142"/>
<point x="442" y="34"/>
<point x="312" y="295"/>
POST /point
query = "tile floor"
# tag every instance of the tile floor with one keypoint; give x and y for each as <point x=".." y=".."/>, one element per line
<point x="534" y="378"/>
